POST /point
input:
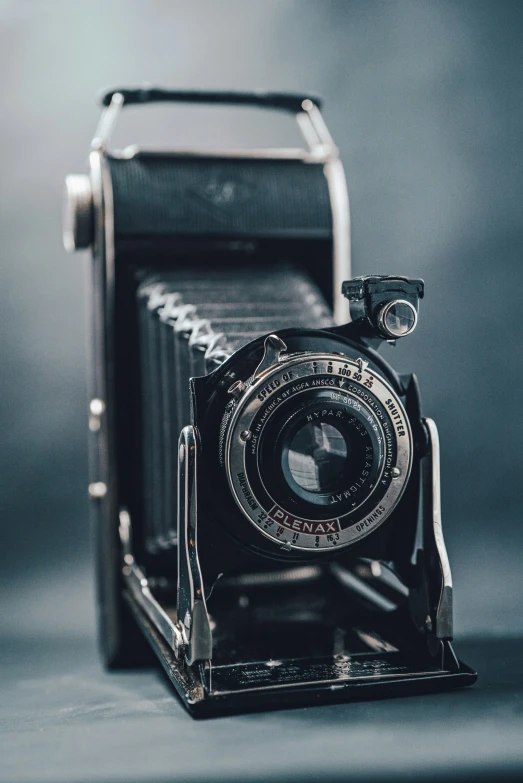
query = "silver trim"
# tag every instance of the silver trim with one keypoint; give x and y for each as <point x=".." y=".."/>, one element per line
<point x="138" y="585"/>
<point x="341" y="236"/>
<point x="272" y="153"/>
<point x="192" y="612"/>
<point x="108" y="332"/>
<point x="102" y="443"/>
<point x="443" y="622"/>
<point x="107" y="122"/>
<point x="315" y="131"/>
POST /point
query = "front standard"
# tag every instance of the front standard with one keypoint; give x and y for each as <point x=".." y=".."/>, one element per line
<point x="265" y="488"/>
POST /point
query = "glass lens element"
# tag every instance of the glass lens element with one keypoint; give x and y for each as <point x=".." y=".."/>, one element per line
<point x="317" y="456"/>
<point x="399" y="318"/>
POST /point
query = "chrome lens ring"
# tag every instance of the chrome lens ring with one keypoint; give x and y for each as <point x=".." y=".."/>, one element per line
<point x="349" y="382"/>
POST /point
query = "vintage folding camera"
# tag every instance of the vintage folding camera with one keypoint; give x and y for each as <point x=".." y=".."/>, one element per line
<point x="264" y="486"/>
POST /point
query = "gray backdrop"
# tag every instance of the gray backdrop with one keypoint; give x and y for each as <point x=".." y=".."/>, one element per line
<point x="425" y="101"/>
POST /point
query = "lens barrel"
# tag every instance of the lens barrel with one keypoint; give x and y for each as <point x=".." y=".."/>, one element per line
<point x="318" y="449"/>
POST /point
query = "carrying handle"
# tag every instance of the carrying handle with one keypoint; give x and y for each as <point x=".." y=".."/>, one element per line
<point x="305" y="108"/>
<point x="282" y="101"/>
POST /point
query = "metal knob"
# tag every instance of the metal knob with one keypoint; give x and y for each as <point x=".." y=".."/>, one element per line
<point x="78" y="228"/>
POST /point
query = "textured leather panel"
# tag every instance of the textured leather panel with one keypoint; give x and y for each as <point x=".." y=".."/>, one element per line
<point x="170" y="196"/>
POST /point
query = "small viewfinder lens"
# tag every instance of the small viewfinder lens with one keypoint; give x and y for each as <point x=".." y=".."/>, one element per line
<point x="397" y="319"/>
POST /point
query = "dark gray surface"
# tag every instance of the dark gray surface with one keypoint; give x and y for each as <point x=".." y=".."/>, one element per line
<point x="63" y="719"/>
<point x="424" y="100"/>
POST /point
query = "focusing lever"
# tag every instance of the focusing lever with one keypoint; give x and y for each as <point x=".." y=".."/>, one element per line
<point x="273" y="348"/>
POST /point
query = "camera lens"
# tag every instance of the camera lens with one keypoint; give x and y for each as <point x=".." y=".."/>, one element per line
<point x="317" y="456"/>
<point x="317" y="470"/>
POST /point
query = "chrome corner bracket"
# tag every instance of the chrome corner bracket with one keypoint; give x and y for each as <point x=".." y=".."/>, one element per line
<point x="193" y="618"/>
<point x="187" y="630"/>
<point x="139" y="588"/>
<point x="431" y="600"/>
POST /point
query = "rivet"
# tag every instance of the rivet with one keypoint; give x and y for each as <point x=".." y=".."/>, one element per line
<point x="96" y="410"/>
<point x="97" y="406"/>
<point x="97" y="490"/>
<point x="124" y="517"/>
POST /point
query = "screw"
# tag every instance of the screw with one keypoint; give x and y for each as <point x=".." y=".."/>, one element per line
<point x="96" y="410"/>
<point x="97" y="490"/>
<point x="97" y="406"/>
<point x="237" y="389"/>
